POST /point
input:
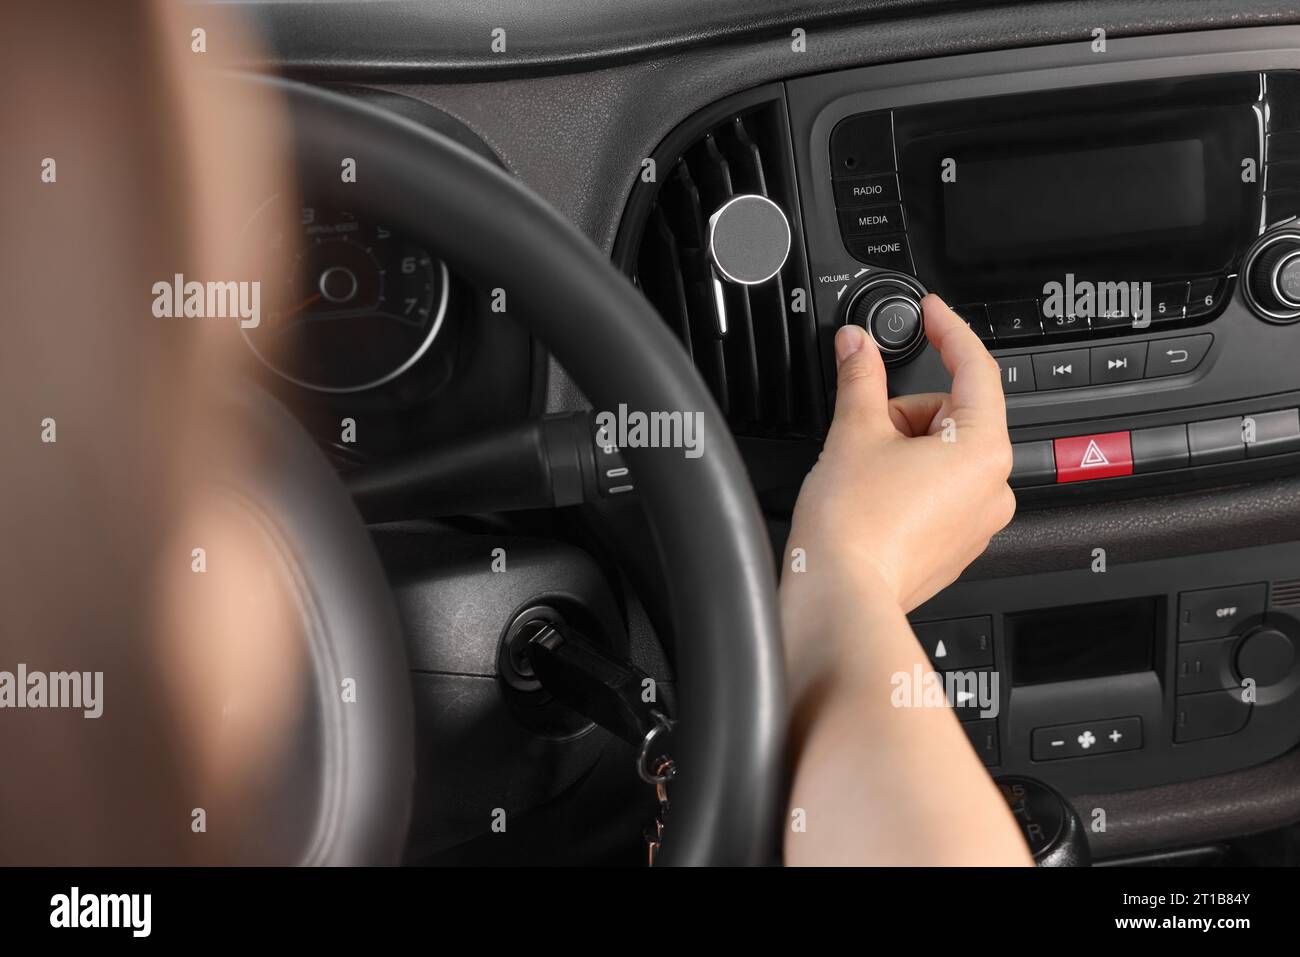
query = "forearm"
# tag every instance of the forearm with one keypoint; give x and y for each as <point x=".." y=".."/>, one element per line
<point x="878" y="783"/>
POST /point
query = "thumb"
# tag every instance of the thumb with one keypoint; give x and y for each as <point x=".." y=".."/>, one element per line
<point x="862" y="395"/>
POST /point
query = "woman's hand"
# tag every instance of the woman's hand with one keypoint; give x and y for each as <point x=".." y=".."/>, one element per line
<point x="907" y="492"/>
<point x="911" y="489"/>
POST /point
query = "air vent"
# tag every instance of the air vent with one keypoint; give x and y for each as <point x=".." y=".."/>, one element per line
<point x="1285" y="594"/>
<point x="755" y="345"/>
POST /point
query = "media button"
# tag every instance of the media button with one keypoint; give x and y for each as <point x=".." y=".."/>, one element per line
<point x="1015" y="320"/>
<point x="1084" y="457"/>
<point x="888" y="252"/>
<point x="867" y="190"/>
<point x="872" y="221"/>
<point x="1017" y="374"/>
<point x="1176" y="356"/>
<point x="1061" y="370"/>
<point x="1118" y="363"/>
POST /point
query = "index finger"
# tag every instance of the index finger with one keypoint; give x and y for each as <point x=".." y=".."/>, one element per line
<point x="976" y="376"/>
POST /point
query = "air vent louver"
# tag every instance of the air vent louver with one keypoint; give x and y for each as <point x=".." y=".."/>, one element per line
<point x="757" y="348"/>
<point x="1286" y="594"/>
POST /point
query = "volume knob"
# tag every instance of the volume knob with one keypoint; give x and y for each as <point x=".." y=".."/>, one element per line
<point x="888" y="306"/>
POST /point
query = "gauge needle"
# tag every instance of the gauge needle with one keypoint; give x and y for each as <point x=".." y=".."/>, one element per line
<point x="301" y="306"/>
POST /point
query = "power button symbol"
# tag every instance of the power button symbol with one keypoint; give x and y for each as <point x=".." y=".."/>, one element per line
<point x="896" y="323"/>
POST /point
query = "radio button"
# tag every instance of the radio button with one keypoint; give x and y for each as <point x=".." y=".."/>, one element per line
<point x="1218" y="440"/>
<point x="1015" y="320"/>
<point x="1017" y="374"/>
<point x="1061" y="370"/>
<point x="1084" y="457"/>
<point x="1176" y="356"/>
<point x="888" y="252"/>
<point x="1155" y="450"/>
<point x="867" y="190"/>
<point x="977" y="317"/>
<point x="1168" y="301"/>
<point x="1118" y="363"/>
<point x="1203" y="296"/>
<point x="872" y="221"/>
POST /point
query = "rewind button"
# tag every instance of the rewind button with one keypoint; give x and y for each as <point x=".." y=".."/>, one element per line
<point x="1118" y="363"/>
<point x="1061" y="370"/>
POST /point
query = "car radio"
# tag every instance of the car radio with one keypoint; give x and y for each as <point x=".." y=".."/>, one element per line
<point x="1092" y="192"/>
<point x="1122" y="237"/>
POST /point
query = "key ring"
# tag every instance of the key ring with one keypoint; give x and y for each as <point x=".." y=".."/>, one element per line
<point x="663" y="725"/>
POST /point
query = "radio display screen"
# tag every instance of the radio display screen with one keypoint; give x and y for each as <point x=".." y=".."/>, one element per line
<point x="1118" y="191"/>
<point x="1147" y="181"/>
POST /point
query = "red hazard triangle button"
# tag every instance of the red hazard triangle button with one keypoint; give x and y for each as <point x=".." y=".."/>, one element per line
<point x="1093" y="456"/>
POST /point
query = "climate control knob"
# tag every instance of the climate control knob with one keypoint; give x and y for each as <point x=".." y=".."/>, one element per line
<point x="888" y="306"/>
<point x="1273" y="277"/>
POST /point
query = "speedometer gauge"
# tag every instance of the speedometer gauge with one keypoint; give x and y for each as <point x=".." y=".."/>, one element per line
<point x="359" y="306"/>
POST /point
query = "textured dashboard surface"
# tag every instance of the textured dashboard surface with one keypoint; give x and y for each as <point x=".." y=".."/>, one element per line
<point x="1211" y="809"/>
<point x="1135" y="530"/>
<point x="457" y="35"/>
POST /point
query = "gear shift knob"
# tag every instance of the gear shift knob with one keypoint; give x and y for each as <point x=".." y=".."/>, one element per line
<point x="1052" y="829"/>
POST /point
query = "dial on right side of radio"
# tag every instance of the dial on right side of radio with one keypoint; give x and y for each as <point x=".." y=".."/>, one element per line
<point x="1272" y="271"/>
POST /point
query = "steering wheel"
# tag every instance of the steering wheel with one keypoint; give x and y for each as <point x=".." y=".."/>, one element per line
<point x="720" y="580"/>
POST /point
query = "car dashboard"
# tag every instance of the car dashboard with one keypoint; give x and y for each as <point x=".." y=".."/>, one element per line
<point x="1106" y="193"/>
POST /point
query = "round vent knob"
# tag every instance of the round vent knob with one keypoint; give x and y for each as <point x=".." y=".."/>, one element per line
<point x="1273" y="277"/>
<point x="749" y="239"/>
